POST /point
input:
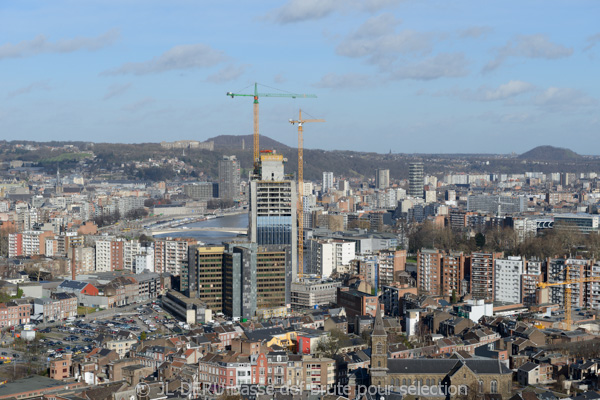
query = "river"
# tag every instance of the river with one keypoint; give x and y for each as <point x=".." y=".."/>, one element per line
<point x="216" y="237"/>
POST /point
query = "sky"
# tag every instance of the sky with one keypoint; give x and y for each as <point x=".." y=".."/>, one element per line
<point x="406" y="76"/>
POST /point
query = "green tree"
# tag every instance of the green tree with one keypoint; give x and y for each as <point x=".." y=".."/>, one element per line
<point x="454" y="297"/>
<point x="480" y="240"/>
<point x="330" y="345"/>
<point x="143" y="336"/>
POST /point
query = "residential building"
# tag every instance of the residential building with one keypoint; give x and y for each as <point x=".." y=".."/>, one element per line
<point x="327" y="182"/>
<point x="229" y="178"/>
<point x="415" y="179"/>
<point x="326" y="256"/>
<point x="15" y="312"/>
<point x="482" y="275"/>
<point x="356" y="303"/>
<point x="171" y="255"/>
<point x="382" y="178"/>
<point x="109" y="255"/>
<point x="508" y="274"/>
<point x="429" y="271"/>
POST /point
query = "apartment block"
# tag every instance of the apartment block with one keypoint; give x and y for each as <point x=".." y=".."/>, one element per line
<point x="326" y="256"/>
<point x="508" y="274"/>
<point x="578" y="268"/>
<point x="429" y="271"/>
<point x="482" y="275"/>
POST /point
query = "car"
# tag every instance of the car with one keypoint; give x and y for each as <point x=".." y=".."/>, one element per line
<point x="15" y="355"/>
<point x="4" y="353"/>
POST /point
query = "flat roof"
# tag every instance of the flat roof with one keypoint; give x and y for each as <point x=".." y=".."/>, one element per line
<point x="30" y="384"/>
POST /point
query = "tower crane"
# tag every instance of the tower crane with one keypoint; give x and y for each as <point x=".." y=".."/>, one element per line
<point x="300" y="123"/>
<point x="256" y="95"/>
<point x="567" y="292"/>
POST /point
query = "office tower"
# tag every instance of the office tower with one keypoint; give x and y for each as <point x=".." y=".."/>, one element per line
<point x="483" y="275"/>
<point x="272" y="213"/>
<point x="415" y="179"/>
<point x="255" y="277"/>
<point x="496" y="204"/>
<point x="205" y="275"/>
<point x="229" y="178"/>
<point x="201" y="190"/>
<point x="309" y="294"/>
<point x="327" y="182"/>
<point x="382" y="178"/>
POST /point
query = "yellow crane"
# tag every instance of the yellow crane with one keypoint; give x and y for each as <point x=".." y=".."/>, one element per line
<point x="568" y="322"/>
<point x="256" y="95"/>
<point x="300" y="210"/>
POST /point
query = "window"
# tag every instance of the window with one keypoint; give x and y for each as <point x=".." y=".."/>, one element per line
<point x="480" y="386"/>
<point x="494" y="386"/>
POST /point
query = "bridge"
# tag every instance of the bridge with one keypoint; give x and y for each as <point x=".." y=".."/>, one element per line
<point x="200" y="229"/>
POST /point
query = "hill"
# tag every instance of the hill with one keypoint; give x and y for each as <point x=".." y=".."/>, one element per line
<point x="550" y="153"/>
<point x="245" y="142"/>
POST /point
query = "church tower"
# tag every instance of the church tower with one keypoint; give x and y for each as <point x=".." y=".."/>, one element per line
<point x="379" y="352"/>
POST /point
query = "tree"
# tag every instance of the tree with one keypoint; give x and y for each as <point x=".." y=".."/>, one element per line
<point x="454" y="299"/>
<point x="143" y="335"/>
<point x="480" y="240"/>
<point x="330" y="345"/>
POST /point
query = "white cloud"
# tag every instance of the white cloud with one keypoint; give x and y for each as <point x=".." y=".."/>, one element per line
<point x="528" y="46"/>
<point x="510" y="89"/>
<point x="181" y="57"/>
<point x="592" y="41"/>
<point x="306" y="10"/>
<point x="28" y="89"/>
<point x="445" y="65"/>
<point x="41" y="45"/>
<point x="485" y="93"/>
<point x="116" y="90"/>
<point x="378" y="42"/>
<point x="556" y="99"/>
<point x="345" y="81"/>
<point x="228" y="73"/>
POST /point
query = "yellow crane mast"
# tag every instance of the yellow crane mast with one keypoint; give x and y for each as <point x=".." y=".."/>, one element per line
<point x="255" y="96"/>
<point x="568" y="322"/>
<point x="300" y="210"/>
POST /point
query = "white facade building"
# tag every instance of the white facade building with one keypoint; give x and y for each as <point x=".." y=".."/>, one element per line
<point x="328" y="256"/>
<point x="507" y="285"/>
<point x="327" y="181"/>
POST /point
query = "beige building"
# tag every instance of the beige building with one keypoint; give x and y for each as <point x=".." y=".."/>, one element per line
<point x="318" y="373"/>
<point x="122" y="347"/>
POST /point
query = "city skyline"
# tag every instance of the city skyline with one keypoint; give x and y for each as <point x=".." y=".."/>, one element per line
<point x="405" y="76"/>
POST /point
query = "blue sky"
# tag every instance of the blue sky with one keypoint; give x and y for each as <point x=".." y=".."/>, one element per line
<point x="402" y="75"/>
